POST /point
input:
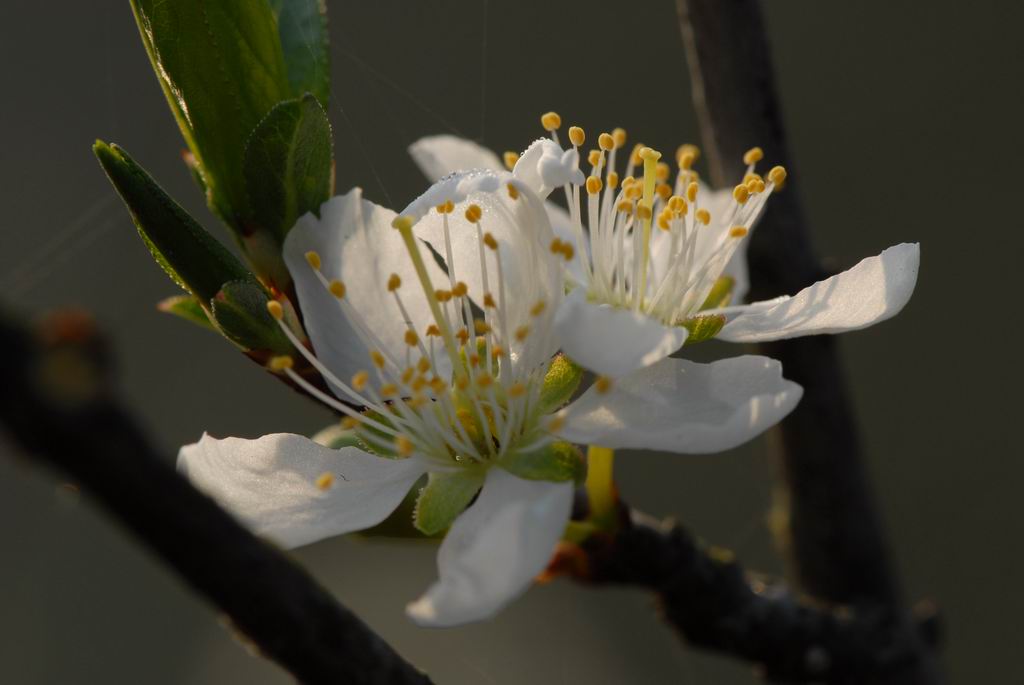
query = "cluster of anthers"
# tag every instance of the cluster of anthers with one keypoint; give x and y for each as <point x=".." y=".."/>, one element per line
<point x="668" y="274"/>
<point x="489" y="400"/>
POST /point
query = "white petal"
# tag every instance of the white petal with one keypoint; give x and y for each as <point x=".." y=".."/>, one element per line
<point x="270" y="484"/>
<point x="610" y="340"/>
<point x="494" y="549"/>
<point x="438" y="156"/>
<point x="545" y="166"/>
<point x="358" y="246"/>
<point x="681" y="406"/>
<point x="872" y="291"/>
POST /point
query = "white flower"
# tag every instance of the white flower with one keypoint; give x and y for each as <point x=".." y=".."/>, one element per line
<point x="650" y="250"/>
<point x="452" y="353"/>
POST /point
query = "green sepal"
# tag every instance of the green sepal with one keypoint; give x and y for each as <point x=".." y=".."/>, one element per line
<point x="380" y="438"/>
<point x="193" y="258"/>
<point x="703" y="328"/>
<point x="240" y="311"/>
<point x="289" y="164"/>
<point x="558" y="461"/>
<point x="336" y="437"/>
<point x="187" y="307"/>
<point x="302" y="28"/>
<point x="444" y="497"/>
<point x="577" y="532"/>
<point x="721" y="293"/>
<point x="563" y="377"/>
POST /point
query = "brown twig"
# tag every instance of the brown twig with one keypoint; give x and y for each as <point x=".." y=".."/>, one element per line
<point x="56" y="402"/>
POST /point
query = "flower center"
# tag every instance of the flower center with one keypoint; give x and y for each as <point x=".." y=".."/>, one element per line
<point x="651" y="243"/>
<point x="490" y="403"/>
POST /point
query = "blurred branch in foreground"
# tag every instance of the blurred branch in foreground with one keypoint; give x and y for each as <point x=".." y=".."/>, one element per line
<point x="56" y="402"/>
<point x="835" y="535"/>
<point x="708" y="597"/>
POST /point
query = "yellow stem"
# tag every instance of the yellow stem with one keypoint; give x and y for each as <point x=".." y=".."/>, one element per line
<point x="600" y="485"/>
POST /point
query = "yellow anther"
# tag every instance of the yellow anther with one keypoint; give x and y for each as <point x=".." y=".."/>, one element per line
<point x="408" y="374"/>
<point x="635" y="191"/>
<point x="481" y="327"/>
<point x="677" y="205"/>
<point x="602" y="384"/>
<point x="418" y="384"/>
<point x="752" y="175"/>
<point x="568" y="252"/>
<point x="404" y="446"/>
<point x="360" y="379"/>
<point x="619" y="136"/>
<point x="522" y="332"/>
<point x="703" y="216"/>
<point x="556" y="423"/>
<point x="281" y="363"/>
<point x="313" y="259"/>
<point x="378" y="358"/>
<point x="394" y="282"/>
<point x="686" y="155"/>
<point x="576" y="135"/>
<point x="664" y="191"/>
<point x="517" y="390"/>
<point x="473" y="213"/>
<point x="443" y="295"/>
<point x="324" y="481"/>
<point x="437" y="385"/>
<point x="489" y="301"/>
<point x="551" y="121"/>
<point x="402" y="223"/>
<point x="737" y="232"/>
<point x="461" y="382"/>
<point x="513" y="192"/>
<point x="644" y="211"/>
<point x="510" y="159"/>
<point x="411" y="339"/>
<point x="538" y="308"/>
<point x="759" y="185"/>
<point x="628" y="181"/>
<point x="740" y="194"/>
<point x="661" y="171"/>
<point x="556" y="246"/>
<point x="753" y="155"/>
<point x="460" y="289"/>
<point x="497" y="350"/>
<point x="777" y="175"/>
<point x="751" y="185"/>
<point x="275" y="309"/>
<point x="349" y="422"/>
<point x="634" y="157"/>
<point x="613" y="180"/>
<point x="417" y="401"/>
<point x="594" y="185"/>
<point x="463" y="335"/>
<point x="624" y="206"/>
<point x="647" y="153"/>
<point x="594" y="158"/>
<point x="490" y="242"/>
<point x="663" y="220"/>
<point x="423" y="365"/>
<point x="388" y="390"/>
<point x="484" y="380"/>
<point x="606" y="142"/>
<point x="691" y="191"/>
<point x="446" y="207"/>
<point x="337" y="289"/>
<point x="433" y="331"/>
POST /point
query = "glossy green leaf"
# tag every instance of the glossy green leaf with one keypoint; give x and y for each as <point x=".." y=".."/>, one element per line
<point x="721" y="293"/>
<point x="186" y="307"/>
<point x="288" y="164"/>
<point x="564" y="376"/>
<point x="703" y="328"/>
<point x="302" y="27"/>
<point x="444" y="497"/>
<point x="240" y="311"/>
<point x="559" y="461"/>
<point x="222" y="69"/>
<point x="191" y="256"/>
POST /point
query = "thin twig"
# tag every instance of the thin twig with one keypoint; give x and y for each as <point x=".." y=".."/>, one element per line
<point x="56" y="402"/>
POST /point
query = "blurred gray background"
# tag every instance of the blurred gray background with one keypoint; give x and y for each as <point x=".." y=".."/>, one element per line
<point x="905" y="124"/>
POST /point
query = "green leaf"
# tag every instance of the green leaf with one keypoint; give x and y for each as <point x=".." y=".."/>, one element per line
<point x="191" y="257"/>
<point x="559" y="461"/>
<point x="221" y="66"/>
<point x="187" y="307"/>
<point x="302" y="27"/>
<point x="703" y="328"/>
<point x="240" y="311"/>
<point x="564" y="376"/>
<point x="721" y="293"/>
<point x="445" y="496"/>
<point x="288" y="164"/>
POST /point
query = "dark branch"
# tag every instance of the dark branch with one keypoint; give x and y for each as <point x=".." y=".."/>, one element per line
<point x="706" y="595"/>
<point x="56" y="403"/>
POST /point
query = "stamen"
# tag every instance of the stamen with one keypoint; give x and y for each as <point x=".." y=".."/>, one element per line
<point x="577" y="136"/>
<point x="324" y="481"/>
<point x="603" y="384"/>
<point x="510" y="159"/>
<point x="606" y="142"/>
<point x="314" y="259"/>
<point x="337" y="289"/>
<point x="753" y="156"/>
<point x="551" y="121"/>
<point x="281" y="363"/>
